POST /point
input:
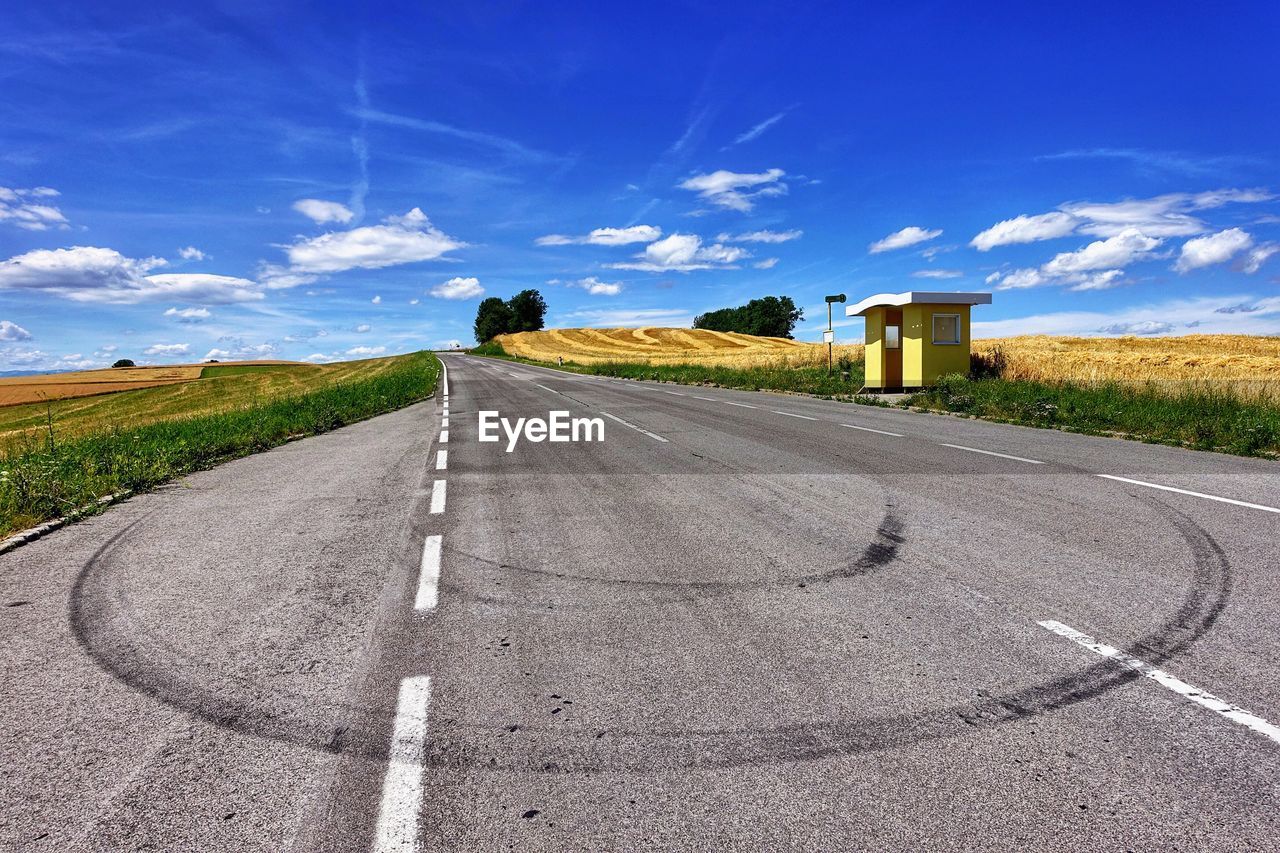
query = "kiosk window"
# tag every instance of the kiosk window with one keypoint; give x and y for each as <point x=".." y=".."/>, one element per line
<point x="946" y="328"/>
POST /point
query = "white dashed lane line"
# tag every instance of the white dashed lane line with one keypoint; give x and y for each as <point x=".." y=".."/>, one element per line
<point x="402" y="785"/>
<point x="1233" y="501"/>
<point x="1164" y="679"/>
<point x="444" y="436"/>
<point x="992" y="453"/>
<point x="793" y="415"/>
<point x="442" y="460"/>
<point x="739" y="405"/>
<point x="428" y="575"/>
<point x="642" y="430"/>
<point x="869" y="429"/>
<point x="438" y="496"/>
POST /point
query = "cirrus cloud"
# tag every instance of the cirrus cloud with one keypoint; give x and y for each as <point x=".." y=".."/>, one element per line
<point x="30" y="209"/>
<point x="605" y="237"/>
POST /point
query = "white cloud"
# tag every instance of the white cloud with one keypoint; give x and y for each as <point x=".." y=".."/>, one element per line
<point x="1104" y="280"/>
<point x="377" y="300"/>
<point x="414" y="301"/>
<point x="937" y="274"/>
<point x="754" y="132"/>
<point x="761" y="237"/>
<point x="596" y="287"/>
<point x="909" y="236"/>
<point x="1025" y="229"/>
<point x="1169" y="215"/>
<point x="189" y="315"/>
<point x="402" y="240"/>
<point x="605" y="237"/>
<point x="10" y="331"/>
<point x="1259" y="255"/>
<point x="90" y="274"/>
<point x="366" y="351"/>
<point x="363" y="327"/>
<point x="191" y="253"/>
<point x="320" y="358"/>
<point x="22" y="357"/>
<point x="168" y="350"/>
<point x="733" y="190"/>
<point x="1017" y="279"/>
<point x="28" y="209"/>
<point x="458" y="288"/>
<point x="238" y="350"/>
<point x="683" y="253"/>
<point x="1212" y="249"/>
<point x="1203" y="314"/>
<point x="320" y="211"/>
<point x="766" y="264"/>
<point x="1141" y="327"/>
<point x="629" y="317"/>
<point x="1119" y="251"/>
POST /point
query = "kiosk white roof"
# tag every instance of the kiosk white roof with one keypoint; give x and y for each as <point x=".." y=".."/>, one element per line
<point x="893" y="300"/>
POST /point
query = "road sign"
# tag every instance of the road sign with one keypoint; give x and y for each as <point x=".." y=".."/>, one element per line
<point x="828" y="336"/>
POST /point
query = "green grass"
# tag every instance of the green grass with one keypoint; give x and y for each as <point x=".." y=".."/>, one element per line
<point x="48" y="475"/>
<point x="1203" y="418"/>
<point x="217" y="370"/>
<point x="800" y="380"/>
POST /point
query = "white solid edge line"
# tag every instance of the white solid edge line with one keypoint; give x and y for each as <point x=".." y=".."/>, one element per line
<point x="1262" y="507"/>
<point x="442" y="460"/>
<point x="1164" y="679"/>
<point x="634" y="427"/>
<point x="444" y="436"/>
<point x="992" y="453"/>
<point x="402" y="784"/>
<point x="429" y="576"/>
<point x="438" y="496"/>
<point x="793" y="415"/>
<point x="739" y="405"/>
<point x="869" y="429"/>
<point x="545" y="388"/>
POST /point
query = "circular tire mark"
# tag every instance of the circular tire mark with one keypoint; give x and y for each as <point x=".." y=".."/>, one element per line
<point x="104" y="630"/>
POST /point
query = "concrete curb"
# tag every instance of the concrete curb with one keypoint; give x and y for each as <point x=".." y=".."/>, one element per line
<point x="32" y="534"/>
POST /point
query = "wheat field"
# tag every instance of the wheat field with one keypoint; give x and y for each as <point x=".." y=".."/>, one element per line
<point x="671" y="346"/>
<point x="1246" y="363"/>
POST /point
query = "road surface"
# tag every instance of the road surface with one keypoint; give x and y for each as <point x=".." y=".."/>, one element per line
<point x="741" y="621"/>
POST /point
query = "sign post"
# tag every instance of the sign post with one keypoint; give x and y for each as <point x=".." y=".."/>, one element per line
<point x="829" y="334"/>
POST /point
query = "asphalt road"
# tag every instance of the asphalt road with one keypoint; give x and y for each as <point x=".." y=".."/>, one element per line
<point x="741" y="621"/>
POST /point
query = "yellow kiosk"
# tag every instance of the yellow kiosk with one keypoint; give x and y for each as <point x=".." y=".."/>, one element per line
<point x="915" y="337"/>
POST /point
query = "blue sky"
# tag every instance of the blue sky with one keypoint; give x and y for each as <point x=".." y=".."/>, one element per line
<point x="311" y="181"/>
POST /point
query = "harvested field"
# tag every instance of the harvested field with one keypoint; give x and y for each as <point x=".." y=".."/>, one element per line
<point x="670" y="346"/>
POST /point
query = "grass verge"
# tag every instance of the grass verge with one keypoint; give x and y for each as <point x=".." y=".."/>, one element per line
<point x="799" y="380"/>
<point x="1198" y="417"/>
<point x="44" y="476"/>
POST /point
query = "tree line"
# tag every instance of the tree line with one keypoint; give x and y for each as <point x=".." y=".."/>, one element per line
<point x="769" y="316"/>
<point x="524" y="312"/>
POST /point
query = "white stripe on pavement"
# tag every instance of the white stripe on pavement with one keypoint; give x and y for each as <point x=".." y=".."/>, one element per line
<point x="444" y="436"/>
<point x="1262" y="507"/>
<point x="793" y="415"/>
<point x="437" y="496"/>
<point x="869" y="429"/>
<point x="1164" y="679"/>
<point x="442" y="460"/>
<point x="402" y="784"/>
<point x="739" y="405"/>
<point x="444" y="422"/>
<point x="429" y="575"/>
<point x="992" y="453"/>
<point x="634" y="427"/>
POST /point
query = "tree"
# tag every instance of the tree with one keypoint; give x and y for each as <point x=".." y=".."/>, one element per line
<point x="770" y="316"/>
<point x="124" y="362"/>
<point x="493" y="318"/>
<point x="528" y="309"/>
